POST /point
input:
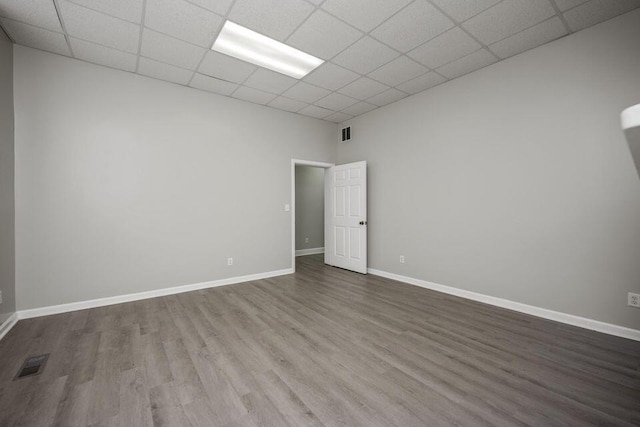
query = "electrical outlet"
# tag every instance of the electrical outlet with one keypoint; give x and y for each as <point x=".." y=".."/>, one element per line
<point x="306" y="240"/>
<point x="401" y="259"/>
<point x="229" y="261"/>
<point x="633" y="299"/>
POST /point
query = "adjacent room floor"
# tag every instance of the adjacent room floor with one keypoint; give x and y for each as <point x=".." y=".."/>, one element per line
<point x="321" y="347"/>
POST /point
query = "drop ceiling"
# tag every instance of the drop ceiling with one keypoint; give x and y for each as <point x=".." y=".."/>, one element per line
<point x="376" y="51"/>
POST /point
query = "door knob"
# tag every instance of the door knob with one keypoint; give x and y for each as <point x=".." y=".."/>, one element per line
<point x="363" y="222"/>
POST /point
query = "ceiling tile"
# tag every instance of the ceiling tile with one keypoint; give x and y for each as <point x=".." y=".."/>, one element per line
<point x="364" y="14"/>
<point x="181" y="32"/>
<point x="387" y="97"/>
<point x="413" y="26"/>
<point x="210" y="84"/>
<point x="221" y="7"/>
<point x="507" y="18"/>
<point x="274" y="18"/>
<point x="36" y="37"/>
<point x="568" y="4"/>
<point x="331" y="76"/>
<point x="461" y="10"/>
<point x="323" y="36"/>
<point x="162" y="71"/>
<point x="225" y="67"/>
<point x="445" y="48"/>
<point x="529" y="38"/>
<point x="398" y="71"/>
<point x="317" y="112"/>
<point x="270" y="81"/>
<point x="469" y="63"/>
<point x="101" y="55"/>
<point x="41" y="13"/>
<point x="253" y="95"/>
<point x="338" y="117"/>
<point x="306" y="93"/>
<point x="183" y="20"/>
<point x="365" y="55"/>
<point x="129" y="10"/>
<point x="172" y="51"/>
<point x="596" y="11"/>
<point x="336" y="101"/>
<point x="359" y="108"/>
<point x="287" y="104"/>
<point x="421" y="83"/>
<point x="363" y="88"/>
<point x="86" y="24"/>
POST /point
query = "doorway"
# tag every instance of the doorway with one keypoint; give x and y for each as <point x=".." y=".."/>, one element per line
<point x="345" y="214"/>
<point x="307" y="219"/>
<point x="309" y="210"/>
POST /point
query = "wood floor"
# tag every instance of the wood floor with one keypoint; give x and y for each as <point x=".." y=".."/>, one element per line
<point x="321" y="347"/>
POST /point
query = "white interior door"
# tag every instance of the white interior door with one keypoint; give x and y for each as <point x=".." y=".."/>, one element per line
<point x="346" y="216"/>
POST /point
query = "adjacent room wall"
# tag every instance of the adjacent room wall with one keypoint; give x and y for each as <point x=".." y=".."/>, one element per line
<point x="7" y="207"/>
<point x="515" y="181"/>
<point x="126" y="184"/>
<point x="309" y="207"/>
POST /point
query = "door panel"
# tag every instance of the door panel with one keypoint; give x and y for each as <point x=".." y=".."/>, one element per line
<point x="340" y="199"/>
<point x="354" y="244"/>
<point x="341" y="242"/>
<point x="346" y="227"/>
<point x="354" y="201"/>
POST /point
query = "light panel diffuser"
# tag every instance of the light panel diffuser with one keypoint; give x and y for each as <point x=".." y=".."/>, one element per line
<point x="247" y="45"/>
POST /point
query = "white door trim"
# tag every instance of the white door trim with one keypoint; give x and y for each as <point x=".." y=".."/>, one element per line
<point x="294" y="163"/>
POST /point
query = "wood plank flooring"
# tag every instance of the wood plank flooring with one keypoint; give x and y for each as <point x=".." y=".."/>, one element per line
<point x="322" y="347"/>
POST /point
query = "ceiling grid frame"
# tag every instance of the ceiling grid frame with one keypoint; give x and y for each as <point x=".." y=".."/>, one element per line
<point x="144" y="16"/>
<point x="376" y="86"/>
<point x="64" y="28"/>
<point x="560" y="14"/>
<point x="316" y="7"/>
<point x="226" y="16"/>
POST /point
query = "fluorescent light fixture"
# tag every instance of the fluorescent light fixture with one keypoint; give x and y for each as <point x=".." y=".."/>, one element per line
<point x="242" y="43"/>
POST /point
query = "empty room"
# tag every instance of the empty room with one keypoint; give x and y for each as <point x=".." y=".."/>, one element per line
<point x="319" y="213"/>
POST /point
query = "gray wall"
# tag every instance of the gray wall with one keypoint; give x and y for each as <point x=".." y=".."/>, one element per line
<point x="515" y="181"/>
<point x="127" y="184"/>
<point x="7" y="240"/>
<point x="309" y="207"/>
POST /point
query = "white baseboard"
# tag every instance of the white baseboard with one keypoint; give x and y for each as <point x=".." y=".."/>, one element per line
<point x="8" y="324"/>
<point x="570" y="319"/>
<point x="557" y="316"/>
<point x="100" y="302"/>
<point x="311" y="251"/>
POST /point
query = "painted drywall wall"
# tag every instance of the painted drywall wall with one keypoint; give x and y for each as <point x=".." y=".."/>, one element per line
<point x="515" y="181"/>
<point x="309" y="207"/>
<point x="7" y="210"/>
<point x="127" y="184"/>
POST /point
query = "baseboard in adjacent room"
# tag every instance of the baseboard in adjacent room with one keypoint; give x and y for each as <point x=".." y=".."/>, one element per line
<point x="8" y="324"/>
<point x="100" y="302"/>
<point x="570" y="319"/>
<point x="311" y="251"/>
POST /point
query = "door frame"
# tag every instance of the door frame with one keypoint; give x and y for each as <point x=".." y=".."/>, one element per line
<point x="294" y="163"/>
